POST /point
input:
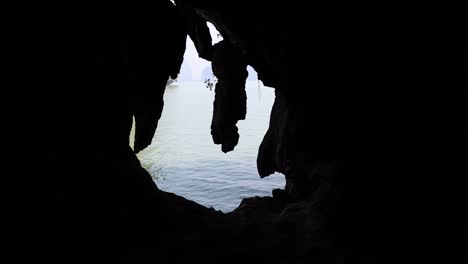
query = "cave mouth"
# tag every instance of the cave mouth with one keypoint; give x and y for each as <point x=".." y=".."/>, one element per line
<point x="370" y="146"/>
<point x="182" y="158"/>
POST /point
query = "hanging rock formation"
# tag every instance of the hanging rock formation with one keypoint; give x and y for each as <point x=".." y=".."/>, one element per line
<point x="150" y="68"/>
<point x="230" y="103"/>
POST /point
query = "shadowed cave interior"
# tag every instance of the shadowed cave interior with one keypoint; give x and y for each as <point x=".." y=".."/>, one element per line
<point x="372" y="146"/>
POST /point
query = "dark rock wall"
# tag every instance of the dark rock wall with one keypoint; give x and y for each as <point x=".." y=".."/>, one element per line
<point x="369" y="113"/>
<point x="368" y="126"/>
<point x="75" y="78"/>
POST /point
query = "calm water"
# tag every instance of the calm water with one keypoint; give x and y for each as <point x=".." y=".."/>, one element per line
<point x="184" y="160"/>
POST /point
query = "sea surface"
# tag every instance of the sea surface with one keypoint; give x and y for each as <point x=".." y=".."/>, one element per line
<point x="184" y="160"/>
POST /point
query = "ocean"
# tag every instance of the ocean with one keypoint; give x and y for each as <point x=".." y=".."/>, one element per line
<point x="183" y="159"/>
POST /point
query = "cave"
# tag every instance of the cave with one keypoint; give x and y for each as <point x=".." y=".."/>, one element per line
<point x="372" y="146"/>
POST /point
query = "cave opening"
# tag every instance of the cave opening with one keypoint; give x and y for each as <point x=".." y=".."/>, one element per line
<point x="182" y="157"/>
<point x="371" y="146"/>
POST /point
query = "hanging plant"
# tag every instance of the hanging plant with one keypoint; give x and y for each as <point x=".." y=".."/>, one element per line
<point x="211" y="82"/>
